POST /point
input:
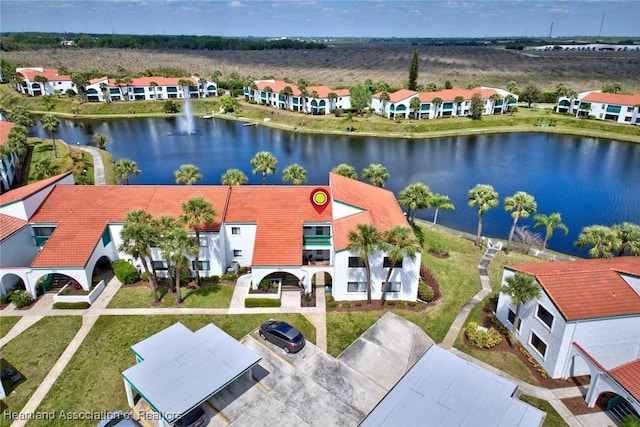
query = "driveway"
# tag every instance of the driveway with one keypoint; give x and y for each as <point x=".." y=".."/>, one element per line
<point x="311" y="388"/>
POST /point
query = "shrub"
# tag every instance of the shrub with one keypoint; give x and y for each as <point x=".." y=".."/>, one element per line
<point x="481" y="338"/>
<point x="358" y="304"/>
<point x="20" y="298"/>
<point x="438" y="251"/>
<point x="243" y="270"/>
<point x="71" y="305"/>
<point x="338" y="112"/>
<point x="144" y="276"/>
<point x="229" y="277"/>
<point x="261" y="302"/>
<point x="6" y="298"/>
<point x="392" y="303"/>
<point x="212" y="279"/>
<point x="346" y="305"/>
<point x="412" y="304"/>
<point x="425" y="292"/>
<point x="171" y="107"/>
<point x="331" y="304"/>
<point x="125" y="271"/>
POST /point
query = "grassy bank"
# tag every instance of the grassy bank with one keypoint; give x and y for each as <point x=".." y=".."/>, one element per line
<point x="69" y="158"/>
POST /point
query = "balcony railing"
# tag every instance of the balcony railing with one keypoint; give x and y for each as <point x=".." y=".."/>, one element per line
<point x="315" y="240"/>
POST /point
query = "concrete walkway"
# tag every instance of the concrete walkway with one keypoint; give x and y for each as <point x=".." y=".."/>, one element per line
<point x="98" y="165"/>
<point x="457" y="324"/>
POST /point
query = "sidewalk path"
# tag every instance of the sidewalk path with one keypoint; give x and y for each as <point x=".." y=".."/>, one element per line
<point x="98" y="165"/>
<point x="455" y="328"/>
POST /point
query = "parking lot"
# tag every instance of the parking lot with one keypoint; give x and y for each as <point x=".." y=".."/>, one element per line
<point x="311" y="388"/>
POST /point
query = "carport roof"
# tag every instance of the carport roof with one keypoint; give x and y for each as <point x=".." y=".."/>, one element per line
<point x="181" y="369"/>
<point x="443" y="389"/>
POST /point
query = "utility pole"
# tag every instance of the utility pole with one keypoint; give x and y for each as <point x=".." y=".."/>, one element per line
<point x="551" y="29"/>
<point x="601" y="24"/>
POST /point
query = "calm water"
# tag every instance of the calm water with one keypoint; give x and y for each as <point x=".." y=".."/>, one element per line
<point x="588" y="180"/>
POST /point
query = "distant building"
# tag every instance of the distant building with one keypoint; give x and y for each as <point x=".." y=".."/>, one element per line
<point x="452" y="103"/>
<point x="287" y="96"/>
<point x="593" y="47"/>
<point x="105" y="89"/>
<point x="617" y="107"/>
<point x="44" y="81"/>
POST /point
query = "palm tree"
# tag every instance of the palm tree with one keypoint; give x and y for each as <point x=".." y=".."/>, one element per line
<point x="184" y="83"/>
<point x="332" y="96"/>
<point x="521" y="205"/>
<point x="164" y="226"/>
<point x="41" y="80"/>
<point x="21" y="116"/>
<point x="101" y="140"/>
<point x="189" y="174"/>
<point x="484" y="197"/>
<point x="154" y="85"/>
<point x="513" y="87"/>
<point x="45" y="168"/>
<point x="137" y="237"/>
<point x="124" y="168"/>
<point x="376" y="174"/>
<point x="294" y="173"/>
<point x="494" y="99"/>
<point x="104" y="88"/>
<point x="628" y="236"/>
<point x="285" y="92"/>
<point x="197" y="212"/>
<point x="345" y="170"/>
<point x="182" y="245"/>
<point x="384" y="97"/>
<point x="266" y="163"/>
<point x="366" y="240"/>
<point x="414" y="105"/>
<point x="437" y="101"/>
<point x="50" y="124"/>
<point x="400" y="242"/>
<point x="550" y="223"/>
<point x="415" y="196"/>
<point x="602" y="239"/>
<point x="458" y="100"/>
<point x="440" y="201"/>
<point x="522" y="288"/>
<point x="234" y="177"/>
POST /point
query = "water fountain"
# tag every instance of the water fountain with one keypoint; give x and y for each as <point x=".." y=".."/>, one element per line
<point x="186" y="124"/>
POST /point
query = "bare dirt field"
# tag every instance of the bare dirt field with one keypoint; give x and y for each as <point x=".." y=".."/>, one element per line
<point x="345" y="64"/>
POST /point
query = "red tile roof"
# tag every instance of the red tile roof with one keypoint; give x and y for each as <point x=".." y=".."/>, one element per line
<point x="5" y="128"/>
<point x="342" y="227"/>
<point x="449" y="95"/>
<point x="25" y="191"/>
<point x="277" y="85"/>
<point x="146" y="81"/>
<point x="399" y="95"/>
<point x="82" y="213"/>
<point x="588" y="288"/>
<point x="628" y="376"/>
<point x="380" y="203"/>
<point x="9" y="225"/>
<point x="280" y="213"/>
<point x="324" y="91"/>
<point x="50" y="73"/>
<point x="613" y="98"/>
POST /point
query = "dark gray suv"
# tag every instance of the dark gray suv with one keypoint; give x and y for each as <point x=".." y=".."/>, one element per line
<point x="283" y="335"/>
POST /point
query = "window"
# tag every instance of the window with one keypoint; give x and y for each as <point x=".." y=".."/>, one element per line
<point x="356" y="286"/>
<point x="159" y="265"/>
<point x="391" y="287"/>
<point x="538" y="344"/>
<point x="386" y="263"/>
<point x="106" y="237"/>
<point x="235" y="231"/>
<point x="511" y="317"/>
<point x="544" y="316"/>
<point x="204" y="265"/>
<point x="237" y="252"/>
<point x="355" y="262"/>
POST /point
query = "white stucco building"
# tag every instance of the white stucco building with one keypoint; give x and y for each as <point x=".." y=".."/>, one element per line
<point x="38" y="81"/>
<point x="56" y="228"/>
<point x="281" y="94"/>
<point x="8" y="163"/>
<point x="442" y="103"/>
<point x="616" y="107"/>
<point x="104" y="89"/>
<point x="585" y="322"/>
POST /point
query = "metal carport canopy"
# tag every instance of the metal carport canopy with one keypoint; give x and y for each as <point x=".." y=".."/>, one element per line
<point x="181" y="369"/>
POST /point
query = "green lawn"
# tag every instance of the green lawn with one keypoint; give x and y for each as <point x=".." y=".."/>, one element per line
<point x="34" y="352"/>
<point x="345" y="328"/>
<point x="208" y="296"/>
<point x="105" y="353"/>
<point x="553" y="419"/>
<point x="6" y="323"/>
<point x="69" y="158"/>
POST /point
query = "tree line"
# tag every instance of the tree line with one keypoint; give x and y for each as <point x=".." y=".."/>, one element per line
<point x="23" y="41"/>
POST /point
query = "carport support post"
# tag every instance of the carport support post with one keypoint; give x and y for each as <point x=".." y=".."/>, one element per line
<point x="127" y="389"/>
<point x="250" y="374"/>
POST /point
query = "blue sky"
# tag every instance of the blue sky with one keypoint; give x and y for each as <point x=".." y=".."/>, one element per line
<point x="324" y="18"/>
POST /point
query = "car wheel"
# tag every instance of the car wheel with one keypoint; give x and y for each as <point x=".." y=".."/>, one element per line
<point x="286" y="350"/>
<point x="262" y="336"/>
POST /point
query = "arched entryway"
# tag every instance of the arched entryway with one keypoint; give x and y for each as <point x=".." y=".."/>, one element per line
<point x="321" y="282"/>
<point x="282" y="279"/>
<point x="11" y="282"/>
<point x="54" y="282"/>
<point x="102" y="271"/>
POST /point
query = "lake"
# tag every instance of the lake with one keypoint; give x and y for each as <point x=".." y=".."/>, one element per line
<point x="588" y="180"/>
